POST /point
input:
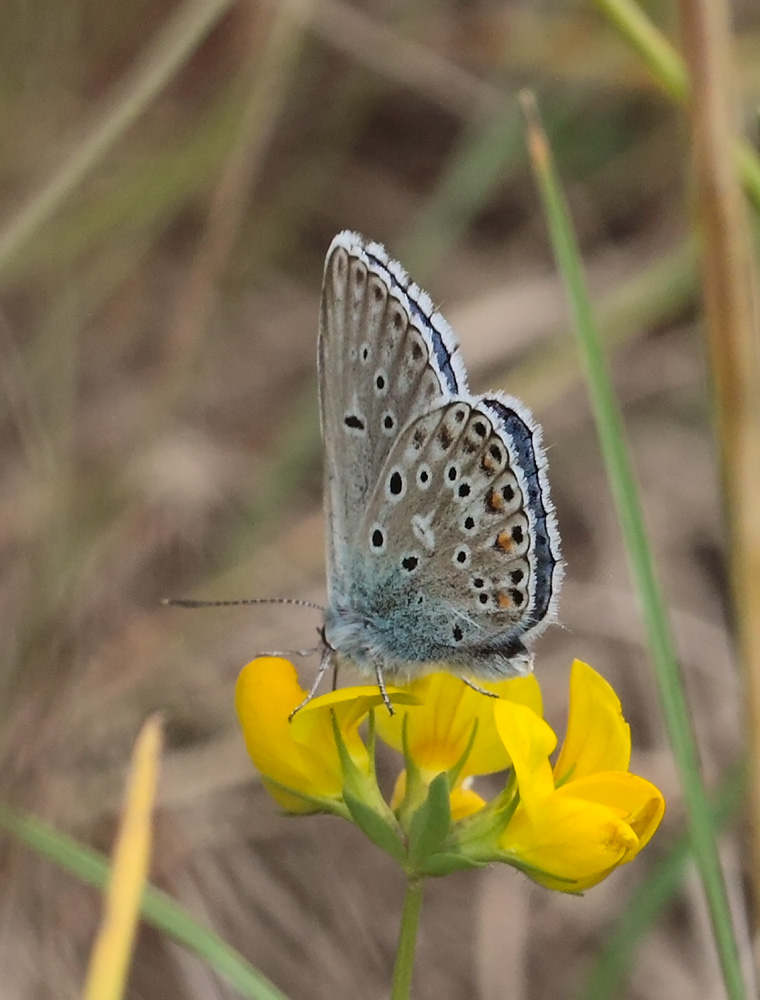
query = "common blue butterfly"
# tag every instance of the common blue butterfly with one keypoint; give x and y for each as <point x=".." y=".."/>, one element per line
<point x="442" y="543"/>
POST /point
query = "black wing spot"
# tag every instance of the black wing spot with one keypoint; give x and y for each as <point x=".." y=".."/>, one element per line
<point x="380" y="382"/>
<point x="464" y="490"/>
<point x="396" y="483"/>
<point x="377" y="291"/>
<point x="517" y="534"/>
<point x="457" y="633"/>
<point x="495" y="451"/>
<point x="517" y="576"/>
<point x="388" y="422"/>
<point x="508" y="492"/>
<point x="354" y="422"/>
<point x="459" y="416"/>
<point x="417" y="351"/>
<point x="483" y="598"/>
<point x="451" y="473"/>
<point x="377" y="538"/>
<point x="480" y="428"/>
<point x="517" y="597"/>
<point x="478" y="581"/>
<point x="461" y="555"/>
<point x="410" y="563"/>
<point x="469" y="523"/>
<point x="398" y="321"/>
<point x="365" y="353"/>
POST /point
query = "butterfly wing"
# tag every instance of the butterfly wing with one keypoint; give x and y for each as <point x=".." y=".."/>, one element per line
<point x="385" y="357"/>
<point x="459" y="546"/>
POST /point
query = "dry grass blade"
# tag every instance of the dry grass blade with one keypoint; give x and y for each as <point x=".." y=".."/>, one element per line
<point x="111" y="954"/>
<point x="732" y="340"/>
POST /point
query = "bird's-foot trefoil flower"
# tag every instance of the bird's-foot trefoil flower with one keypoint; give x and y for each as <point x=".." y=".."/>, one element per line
<point x="566" y="826"/>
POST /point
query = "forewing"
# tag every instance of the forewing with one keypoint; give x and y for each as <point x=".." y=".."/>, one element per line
<point x="385" y="357"/>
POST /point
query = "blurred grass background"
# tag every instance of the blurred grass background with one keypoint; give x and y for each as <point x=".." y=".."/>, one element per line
<point x="160" y="437"/>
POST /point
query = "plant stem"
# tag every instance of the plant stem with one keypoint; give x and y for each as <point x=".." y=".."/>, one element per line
<point x="407" y="941"/>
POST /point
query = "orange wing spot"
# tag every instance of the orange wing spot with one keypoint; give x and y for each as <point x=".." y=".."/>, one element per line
<point x="504" y="601"/>
<point x="503" y="541"/>
<point x="488" y="464"/>
<point x="495" y="501"/>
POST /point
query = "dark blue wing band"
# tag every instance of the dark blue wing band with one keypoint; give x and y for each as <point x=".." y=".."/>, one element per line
<point x="520" y="436"/>
<point x="441" y="351"/>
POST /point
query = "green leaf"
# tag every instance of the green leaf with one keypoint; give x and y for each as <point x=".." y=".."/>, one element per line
<point x="431" y="823"/>
<point x="456" y="770"/>
<point x="377" y="827"/>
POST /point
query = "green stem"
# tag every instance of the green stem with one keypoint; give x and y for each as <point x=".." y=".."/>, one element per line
<point x="407" y="941"/>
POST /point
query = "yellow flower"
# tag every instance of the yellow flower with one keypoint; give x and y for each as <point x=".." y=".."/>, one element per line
<point x="577" y="823"/>
<point x="299" y="761"/>
<point x="440" y="727"/>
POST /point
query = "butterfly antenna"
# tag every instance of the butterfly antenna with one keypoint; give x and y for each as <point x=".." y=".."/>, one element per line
<point x="186" y="602"/>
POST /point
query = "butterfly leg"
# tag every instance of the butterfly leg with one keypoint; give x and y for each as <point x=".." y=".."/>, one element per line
<point x="324" y="666"/>
<point x="480" y="690"/>
<point x="383" y="690"/>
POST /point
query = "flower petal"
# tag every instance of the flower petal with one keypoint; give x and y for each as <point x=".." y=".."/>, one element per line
<point x="440" y="727"/>
<point x="635" y="801"/>
<point x="528" y="741"/>
<point x="598" y="737"/>
<point x="566" y="843"/>
<point x="465" y="801"/>
<point x="266" y="693"/>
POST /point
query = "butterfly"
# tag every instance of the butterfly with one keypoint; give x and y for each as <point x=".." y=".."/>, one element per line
<point x="442" y="543"/>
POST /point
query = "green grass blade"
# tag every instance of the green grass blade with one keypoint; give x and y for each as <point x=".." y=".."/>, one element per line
<point x="625" y="493"/>
<point x="157" y="909"/>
